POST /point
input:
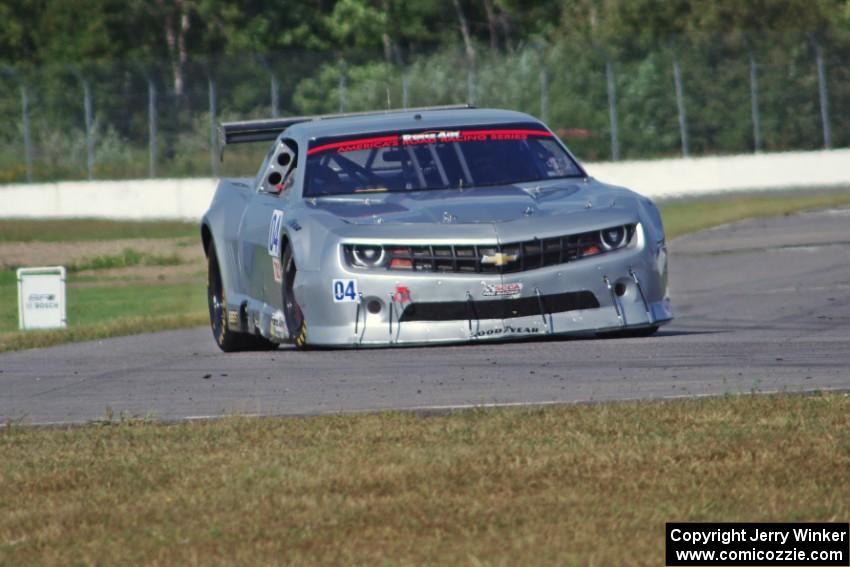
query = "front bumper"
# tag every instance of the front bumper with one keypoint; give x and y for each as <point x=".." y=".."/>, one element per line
<point x="629" y="288"/>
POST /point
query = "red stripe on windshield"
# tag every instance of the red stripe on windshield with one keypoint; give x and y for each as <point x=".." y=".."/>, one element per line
<point x="367" y="143"/>
<point x="393" y="141"/>
<point x="509" y="132"/>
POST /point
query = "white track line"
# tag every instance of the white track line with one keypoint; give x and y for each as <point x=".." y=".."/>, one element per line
<point x="449" y="408"/>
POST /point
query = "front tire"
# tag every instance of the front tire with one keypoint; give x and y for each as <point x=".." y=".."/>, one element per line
<point x="296" y="323"/>
<point x="227" y="339"/>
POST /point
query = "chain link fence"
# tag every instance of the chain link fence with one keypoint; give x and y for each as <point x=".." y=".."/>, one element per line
<point x="688" y="97"/>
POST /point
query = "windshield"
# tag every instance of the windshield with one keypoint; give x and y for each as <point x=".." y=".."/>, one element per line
<point x="435" y="159"/>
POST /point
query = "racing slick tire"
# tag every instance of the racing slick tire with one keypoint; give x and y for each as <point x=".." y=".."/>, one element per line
<point x="227" y="339"/>
<point x="296" y="323"/>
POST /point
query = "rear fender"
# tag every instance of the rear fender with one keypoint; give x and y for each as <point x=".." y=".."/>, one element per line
<point x="220" y="227"/>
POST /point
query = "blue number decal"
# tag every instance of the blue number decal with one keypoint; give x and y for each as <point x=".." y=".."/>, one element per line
<point x="275" y="226"/>
<point x="339" y="290"/>
<point x="345" y="290"/>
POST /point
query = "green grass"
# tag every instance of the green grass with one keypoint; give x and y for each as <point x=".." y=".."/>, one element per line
<point x="25" y="230"/>
<point x="683" y="216"/>
<point x="569" y="485"/>
<point x="107" y="308"/>
<point x="129" y="257"/>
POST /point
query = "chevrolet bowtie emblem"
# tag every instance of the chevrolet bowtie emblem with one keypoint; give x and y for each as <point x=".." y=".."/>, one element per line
<point x="499" y="259"/>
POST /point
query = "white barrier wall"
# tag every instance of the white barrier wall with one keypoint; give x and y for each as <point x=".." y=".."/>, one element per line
<point x="189" y="198"/>
<point x="694" y="176"/>
<point x="135" y="199"/>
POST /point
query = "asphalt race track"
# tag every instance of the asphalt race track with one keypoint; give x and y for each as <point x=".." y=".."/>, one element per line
<point x="761" y="306"/>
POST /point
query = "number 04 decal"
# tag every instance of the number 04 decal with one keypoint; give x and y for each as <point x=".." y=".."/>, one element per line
<point x="345" y="290"/>
<point x="274" y="233"/>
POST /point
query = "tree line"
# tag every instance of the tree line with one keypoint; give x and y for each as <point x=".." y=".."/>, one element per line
<point x="564" y="60"/>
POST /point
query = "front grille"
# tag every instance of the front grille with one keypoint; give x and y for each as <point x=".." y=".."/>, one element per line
<point x="499" y="308"/>
<point x="493" y="258"/>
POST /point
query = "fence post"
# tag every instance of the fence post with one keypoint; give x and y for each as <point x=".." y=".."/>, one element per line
<point x="824" y="99"/>
<point x="544" y="95"/>
<point x="680" y="104"/>
<point x="470" y="86"/>
<point x="405" y="92"/>
<point x="754" y="103"/>
<point x="87" y="108"/>
<point x="274" y="94"/>
<point x="25" y="120"/>
<point x="151" y="128"/>
<point x="25" y="117"/>
<point x="612" y="110"/>
<point x="342" y="93"/>
<point x="213" y="119"/>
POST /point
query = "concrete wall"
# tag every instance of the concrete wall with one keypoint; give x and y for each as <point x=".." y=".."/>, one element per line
<point x="189" y="198"/>
<point x="129" y="199"/>
<point x="694" y="176"/>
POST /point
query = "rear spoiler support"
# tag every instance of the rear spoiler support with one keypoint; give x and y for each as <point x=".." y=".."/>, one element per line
<point x="268" y="129"/>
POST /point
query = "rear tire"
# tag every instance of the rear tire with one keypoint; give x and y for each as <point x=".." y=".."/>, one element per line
<point x="227" y="339"/>
<point x="296" y="323"/>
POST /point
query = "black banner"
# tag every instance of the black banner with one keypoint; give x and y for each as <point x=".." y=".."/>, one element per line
<point x="768" y="544"/>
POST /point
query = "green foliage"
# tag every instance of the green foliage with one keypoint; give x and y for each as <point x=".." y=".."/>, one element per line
<point x="370" y="54"/>
<point x="358" y="24"/>
<point x="70" y="31"/>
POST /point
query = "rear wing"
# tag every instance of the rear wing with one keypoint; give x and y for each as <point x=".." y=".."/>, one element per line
<point x="268" y="129"/>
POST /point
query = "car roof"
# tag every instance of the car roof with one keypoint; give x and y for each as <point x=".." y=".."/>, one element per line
<point x="404" y="120"/>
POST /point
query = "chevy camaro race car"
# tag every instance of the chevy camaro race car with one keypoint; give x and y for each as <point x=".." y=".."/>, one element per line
<point x="430" y="225"/>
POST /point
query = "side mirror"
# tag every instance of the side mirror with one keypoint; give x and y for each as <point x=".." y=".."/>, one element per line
<point x="279" y="167"/>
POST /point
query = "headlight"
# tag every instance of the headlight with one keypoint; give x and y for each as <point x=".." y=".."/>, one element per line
<point x="368" y="256"/>
<point x="614" y="237"/>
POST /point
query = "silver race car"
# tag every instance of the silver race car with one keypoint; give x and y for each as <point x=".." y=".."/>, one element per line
<point x="423" y="226"/>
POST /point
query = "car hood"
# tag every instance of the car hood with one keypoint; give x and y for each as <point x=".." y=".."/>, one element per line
<point x="469" y="206"/>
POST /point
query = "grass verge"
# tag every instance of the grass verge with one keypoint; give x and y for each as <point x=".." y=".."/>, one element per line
<point x="18" y="340"/>
<point x="571" y="485"/>
<point x="683" y="216"/>
<point x="28" y="230"/>
<point x="101" y="308"/>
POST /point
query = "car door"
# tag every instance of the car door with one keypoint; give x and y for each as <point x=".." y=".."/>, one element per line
<point x="262" y="224"/>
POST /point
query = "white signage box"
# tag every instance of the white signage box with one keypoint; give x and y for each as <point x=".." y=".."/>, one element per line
<point x="41" y="298"/>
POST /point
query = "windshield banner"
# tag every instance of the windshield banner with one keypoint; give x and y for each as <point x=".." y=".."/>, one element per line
<point x="433" y="137"/>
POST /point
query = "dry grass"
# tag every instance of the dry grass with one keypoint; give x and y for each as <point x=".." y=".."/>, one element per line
<point x="574" y="485"/>
<point x="87" y="252"/>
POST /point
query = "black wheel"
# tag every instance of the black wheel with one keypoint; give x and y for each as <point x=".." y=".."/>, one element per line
<point x="227" y="339"/>
<point x="296" y="324"/>
<point x="630" y="333"/>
